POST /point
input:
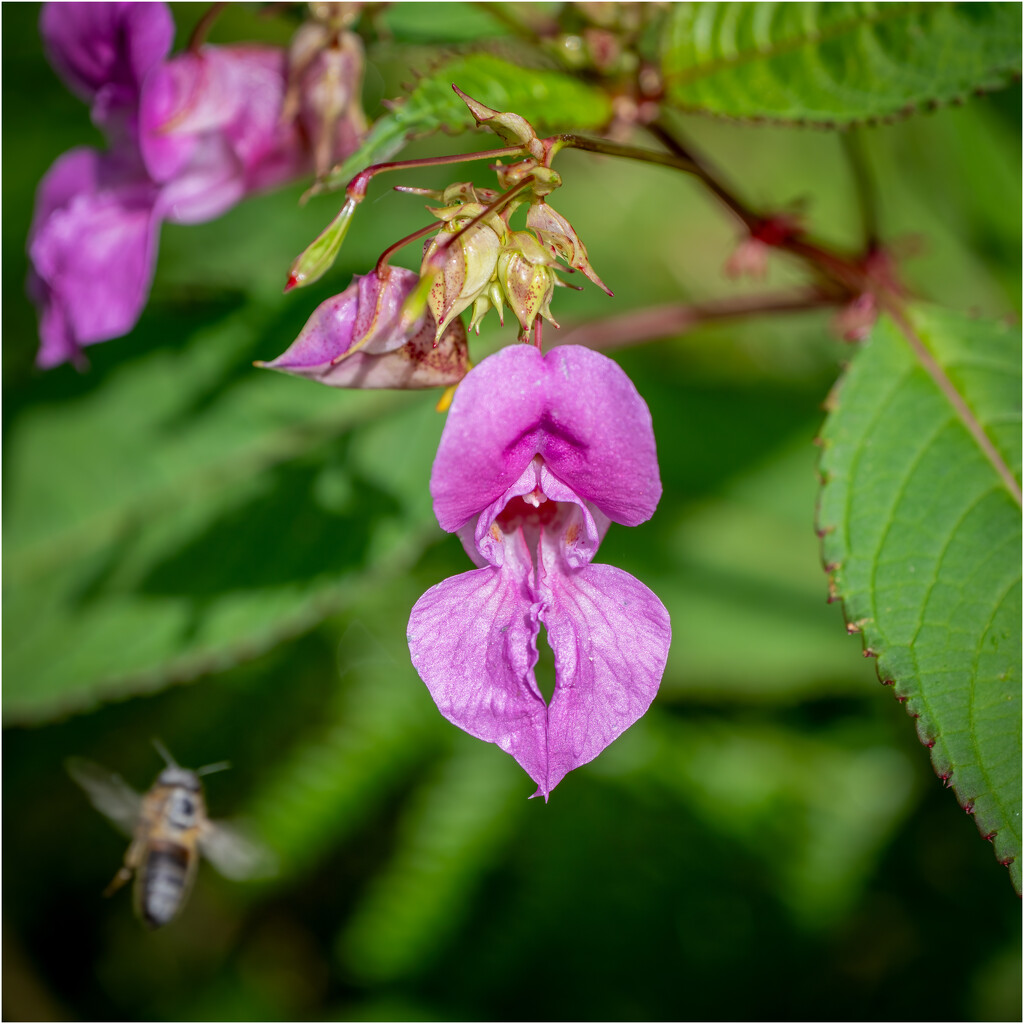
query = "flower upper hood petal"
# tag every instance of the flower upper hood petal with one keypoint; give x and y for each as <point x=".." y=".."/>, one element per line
<point x="96" y="46"/>
<point x="574" y="407"/>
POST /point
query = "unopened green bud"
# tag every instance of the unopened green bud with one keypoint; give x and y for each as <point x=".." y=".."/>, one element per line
<point x="524" y="271"/>
<point x="491" y="298"/>
<point x="318" y="256"/>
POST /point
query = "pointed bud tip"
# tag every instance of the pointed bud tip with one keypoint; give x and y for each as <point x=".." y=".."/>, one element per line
<point x="292" y="282"/>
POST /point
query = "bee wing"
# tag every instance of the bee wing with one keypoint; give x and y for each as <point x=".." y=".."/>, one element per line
<point x="234" y="853"/>
<point x="109" y="793"/>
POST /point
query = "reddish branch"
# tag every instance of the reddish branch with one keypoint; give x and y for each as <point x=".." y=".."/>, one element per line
<point x="672" y="320"/>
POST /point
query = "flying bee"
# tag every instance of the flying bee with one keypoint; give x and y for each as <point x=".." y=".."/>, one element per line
<point x="169" y="830"/>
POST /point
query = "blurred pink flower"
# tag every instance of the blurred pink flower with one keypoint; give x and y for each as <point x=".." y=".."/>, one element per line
<point x="189" y="137"/>
<point x="539" y="455"/>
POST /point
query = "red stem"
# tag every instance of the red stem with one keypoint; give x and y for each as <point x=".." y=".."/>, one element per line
<point x="386" y="255"/>
<point x="356" y="188"/>
<point x="203" y="26"/>
<point x="643" y="325"/>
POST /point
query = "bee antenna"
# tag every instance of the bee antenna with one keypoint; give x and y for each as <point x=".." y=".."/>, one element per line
<point x="164" y="753"/>
<point x="209" y="769"/>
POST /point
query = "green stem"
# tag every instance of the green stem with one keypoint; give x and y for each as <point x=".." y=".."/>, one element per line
<point x="864" y="187"/>
<point x="559" y="142"/>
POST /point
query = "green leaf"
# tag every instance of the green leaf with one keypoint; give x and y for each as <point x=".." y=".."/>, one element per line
<point x="448" y="837"/>
<point x="815" y="811"/>
<point x="836" y="63"/>
<point x="922" y="536"/>
<point x="441" y="24"/>
<point x="370" y="737"/>
<point x="550" y="100"/>
<point x="190" y="512"/>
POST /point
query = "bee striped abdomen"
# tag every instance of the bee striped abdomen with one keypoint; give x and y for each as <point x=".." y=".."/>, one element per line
<point x="163" y="881"/>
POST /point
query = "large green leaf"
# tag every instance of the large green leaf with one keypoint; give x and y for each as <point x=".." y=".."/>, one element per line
<point x="922" y="536"/>
<point x="190" y="512"/>
<point x="550" y="100"/>
<point x="836" y="63"/>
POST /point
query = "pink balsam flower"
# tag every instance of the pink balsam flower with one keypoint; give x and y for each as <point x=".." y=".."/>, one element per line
<point x="539" y="455"/>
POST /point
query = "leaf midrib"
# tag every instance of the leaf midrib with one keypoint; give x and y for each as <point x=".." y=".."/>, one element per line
<point x="930" y="363"/>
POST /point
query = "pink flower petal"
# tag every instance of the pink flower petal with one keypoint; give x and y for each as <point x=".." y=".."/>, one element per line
<point x="610" y="635"/>
<point x="472" y="639"/>
<point x="96" y="46"/>
<point x="573" y="407"/>
<point x="231" y="96"/>
<point x="93" y="249"/>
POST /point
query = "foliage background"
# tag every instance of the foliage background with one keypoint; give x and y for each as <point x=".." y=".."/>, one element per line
<point x="768" y="843"/>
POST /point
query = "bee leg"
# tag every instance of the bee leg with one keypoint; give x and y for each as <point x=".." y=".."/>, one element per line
<point x="119" y="879"/>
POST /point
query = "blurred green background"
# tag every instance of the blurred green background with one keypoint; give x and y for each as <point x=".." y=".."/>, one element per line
<point x="225" y="559"/>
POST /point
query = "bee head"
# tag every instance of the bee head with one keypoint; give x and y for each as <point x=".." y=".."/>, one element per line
<point x="173" y="775"/>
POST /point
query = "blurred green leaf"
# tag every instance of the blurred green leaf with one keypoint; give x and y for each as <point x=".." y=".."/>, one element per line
<point x="924" y="545"/>
<point x="189" y="513"/>
<point x="446" y="24"/>
<point x="378" y="727"/>
<point x="463" y="814"/>
<point x="550" y="100"/>
<point x="836" y="63"/>
<point x="744" y="589"/>
<point x="815" y="811"/>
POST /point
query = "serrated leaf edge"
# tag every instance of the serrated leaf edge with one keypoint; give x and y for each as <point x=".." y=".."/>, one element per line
<point x="1008" y="74"/>
<point x="927" y="733"/>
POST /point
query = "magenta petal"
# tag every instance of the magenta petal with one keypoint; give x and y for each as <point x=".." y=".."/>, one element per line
<point x="72" y="173"/>
<point x="270" y="151"/>
<point x="356" y="340"/>
<point x="473" y="641"/>
<point x="365" y="313"/>
<point x="92" y="250"/>
<point x="230" y="95"/>
<point x="610" y="635"/>
<point x="105" y="50"/>
<point x="574" y="407"/>
<point x="210" y="184"/>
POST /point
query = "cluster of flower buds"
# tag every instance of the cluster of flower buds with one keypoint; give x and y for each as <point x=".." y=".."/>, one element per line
<point x="478" y="259"/>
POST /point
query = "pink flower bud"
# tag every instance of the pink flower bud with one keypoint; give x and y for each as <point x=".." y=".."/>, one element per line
<point x="357" y="340"/>
<point x="331" y="109"/>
